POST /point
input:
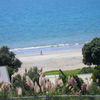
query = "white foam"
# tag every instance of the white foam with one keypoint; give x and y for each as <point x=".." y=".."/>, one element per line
<point x="48" y="46"/>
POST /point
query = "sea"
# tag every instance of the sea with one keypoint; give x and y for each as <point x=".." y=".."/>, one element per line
<point x="29" y="26"/>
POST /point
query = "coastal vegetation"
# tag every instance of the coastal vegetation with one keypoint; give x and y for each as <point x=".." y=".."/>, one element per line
<point x="91" y="56"/>
<point x="7" y="58"/>
<point x="91" y="52"/>
<point x="34" y="82"/>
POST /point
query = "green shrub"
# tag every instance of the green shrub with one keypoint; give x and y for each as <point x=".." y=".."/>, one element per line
<point x="94" y="90"/>
<point x="4" y="94"/>
<point x="17" y="81"/>
<point x="96" y="75"/>
<point x="20" y="81"/>
<point x="33" y="73"/>
<point x="10" y="71"/>
<point x="86" y="70"/>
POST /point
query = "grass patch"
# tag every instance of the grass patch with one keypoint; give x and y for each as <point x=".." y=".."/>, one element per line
<point x="67" y="72"/>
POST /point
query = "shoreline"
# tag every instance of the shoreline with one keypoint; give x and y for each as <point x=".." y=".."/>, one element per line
<point x="65" y="60"/>
<point x="46" y="49"/>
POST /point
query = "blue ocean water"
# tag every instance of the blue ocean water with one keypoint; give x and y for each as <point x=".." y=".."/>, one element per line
<point x="29" y="23"/>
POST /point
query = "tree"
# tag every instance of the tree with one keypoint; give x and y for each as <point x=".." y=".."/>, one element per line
<point x="91" y="52"/>
<point x="7" y="58"/>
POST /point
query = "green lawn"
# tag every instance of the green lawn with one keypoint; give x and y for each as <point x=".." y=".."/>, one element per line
<point x="67" y="72"/>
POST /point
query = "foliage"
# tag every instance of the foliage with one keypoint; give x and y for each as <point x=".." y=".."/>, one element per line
<point x="79" y="81"/>
<point x="94" y="89"/>
<point x="20" y="81"/>
<point x="28" y="81"/>
<point x="7" y="58"/>
<point x="33" y="73"/>
<point x="96" y="75"/>
<point x="4" y="93"/>
<point x="72" y="86"/>
<point x="16" y="81"/>
<point x="10" y="71"/>
<point x="86" y="70"/>
<point x="91" y="52"/>
<point x="4" y="90"/>
<point x="63" y="76"/>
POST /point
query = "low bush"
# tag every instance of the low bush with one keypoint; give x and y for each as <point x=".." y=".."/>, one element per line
<point x="94" y="89"/>
<point x="86" y="70"/>
<point x="96" y="75"/>
<point x="10" y="71"/>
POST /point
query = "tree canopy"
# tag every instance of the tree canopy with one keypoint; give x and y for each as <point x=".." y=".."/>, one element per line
<point x="91" y="52"/>
<point x="7" y="58"/>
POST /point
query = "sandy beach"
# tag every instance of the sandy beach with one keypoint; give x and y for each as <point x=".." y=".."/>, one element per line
<point x="65" y="60"/>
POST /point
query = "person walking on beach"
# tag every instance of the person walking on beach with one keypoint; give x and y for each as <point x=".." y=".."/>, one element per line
<point x="41" y="53"/>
